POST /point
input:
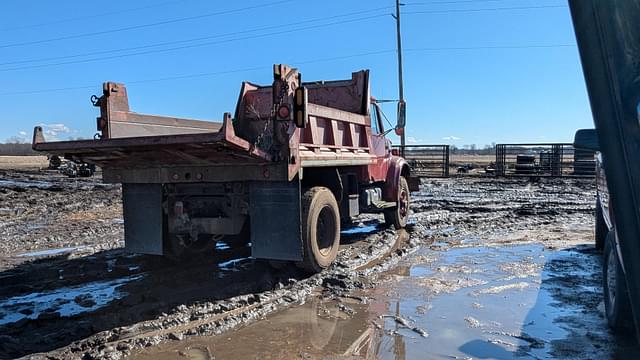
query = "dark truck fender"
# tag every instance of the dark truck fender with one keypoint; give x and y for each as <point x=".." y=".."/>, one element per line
<point x="398" y="167"/>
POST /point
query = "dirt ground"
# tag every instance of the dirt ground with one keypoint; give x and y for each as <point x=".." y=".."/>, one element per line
<point x="489" y="268"/>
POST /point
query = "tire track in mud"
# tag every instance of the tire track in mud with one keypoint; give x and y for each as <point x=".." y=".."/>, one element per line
<point x="216" y="317"/>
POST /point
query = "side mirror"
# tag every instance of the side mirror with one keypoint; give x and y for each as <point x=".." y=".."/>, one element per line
<point x="586" y="139"/>
<point x="402" y="114"/>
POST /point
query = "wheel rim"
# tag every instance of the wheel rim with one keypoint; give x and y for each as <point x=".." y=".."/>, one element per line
<point x="403" y="201"/>
<point x="611" y="277"/>
<point x="325" y="231"/>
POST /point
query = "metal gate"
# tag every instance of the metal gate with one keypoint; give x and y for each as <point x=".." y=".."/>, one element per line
<point x="552" y="160"/>
<point x="427" y="160"/>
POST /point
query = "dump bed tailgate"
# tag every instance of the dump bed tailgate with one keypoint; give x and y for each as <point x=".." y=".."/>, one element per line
<point x="209" y="148"/>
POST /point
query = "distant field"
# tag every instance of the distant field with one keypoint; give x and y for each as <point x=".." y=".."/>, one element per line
<point x="23" y="162"/>
<point x="481" y="160"/>
<point x="39" y="161"/>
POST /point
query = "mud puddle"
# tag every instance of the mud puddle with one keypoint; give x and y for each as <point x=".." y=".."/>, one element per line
<point x="315" y="328"/>
<point x="487" y="302"/>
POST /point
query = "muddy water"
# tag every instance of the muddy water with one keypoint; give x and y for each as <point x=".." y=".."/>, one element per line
<point x="487" y="302"/>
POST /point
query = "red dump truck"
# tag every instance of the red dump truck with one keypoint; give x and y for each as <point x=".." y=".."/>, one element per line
<point x="294" y="160"/>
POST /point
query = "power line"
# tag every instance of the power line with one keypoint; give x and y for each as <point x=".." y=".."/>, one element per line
<point x="104" y="58"/>
<point x="197" y="75"/>
<point x="490" y="47"/>
<point x="335" y="58"/>
<point x="70" y="19"/>
<point x="141" y="26"/>
<point x="451" y="11"/>
<point x="209" y="43"/>
<point x="454" y="2"/>
<point x="175" y="42"/>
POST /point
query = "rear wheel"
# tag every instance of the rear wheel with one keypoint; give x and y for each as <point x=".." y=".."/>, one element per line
<point x="320" y="229"/>
<point x="616" y="298"/>
<point x="601" y="229"/>
<point x="398" y="215"/>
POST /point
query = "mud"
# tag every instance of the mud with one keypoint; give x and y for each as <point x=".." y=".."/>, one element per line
<point x="488" y="269"/>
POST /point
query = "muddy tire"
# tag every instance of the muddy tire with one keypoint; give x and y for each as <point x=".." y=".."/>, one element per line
<point x="601" y="229"/>
<point x="398" y="215"/>
<point x="616" y="298"/>
<point x="320" y="229"/>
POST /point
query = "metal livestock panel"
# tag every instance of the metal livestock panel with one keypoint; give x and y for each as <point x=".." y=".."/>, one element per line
<point x="427" y="160"/>
<point x="550" y="160"/>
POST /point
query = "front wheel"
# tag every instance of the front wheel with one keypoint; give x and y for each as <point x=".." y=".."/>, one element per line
<point x="616" y="298"/>
<point x="398" y="215"/>
<point x="320" y="229"/>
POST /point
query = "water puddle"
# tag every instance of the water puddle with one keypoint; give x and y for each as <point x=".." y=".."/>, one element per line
<point x="63" y="302"/>
<point x="222" y="246"/>
<point x="234" y="264"/>
<point x="315" y="328"/>
<point x="480" y="302"/>
<point x="361" y="230"/>
<point x="26" y="184"/>
<point x="467" y="302"/>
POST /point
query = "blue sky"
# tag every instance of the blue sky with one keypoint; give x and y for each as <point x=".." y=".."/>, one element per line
<point x="476" y="72"/>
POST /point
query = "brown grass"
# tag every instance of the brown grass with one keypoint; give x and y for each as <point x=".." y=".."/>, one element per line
<point x="23" y="162"/>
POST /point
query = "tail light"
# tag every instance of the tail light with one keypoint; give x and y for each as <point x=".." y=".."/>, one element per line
<point x="300" y="106"/>
<point x="283" y="112"/>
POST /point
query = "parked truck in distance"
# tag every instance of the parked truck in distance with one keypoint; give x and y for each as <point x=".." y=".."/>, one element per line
<point x="293" y="161"/>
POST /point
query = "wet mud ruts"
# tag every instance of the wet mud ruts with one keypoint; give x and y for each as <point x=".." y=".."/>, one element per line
<point x="163" y="302"/>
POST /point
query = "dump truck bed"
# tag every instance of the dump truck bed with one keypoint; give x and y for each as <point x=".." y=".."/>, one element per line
<point x="336" y="132"/>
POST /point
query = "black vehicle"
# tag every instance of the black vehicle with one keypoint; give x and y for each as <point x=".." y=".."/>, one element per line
<point x="608" y="39"/>
<point x="614" y="275"/>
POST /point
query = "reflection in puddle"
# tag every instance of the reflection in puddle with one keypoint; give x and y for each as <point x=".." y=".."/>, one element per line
<point x="315" y="328"/>
<point x="232" y="265"/>
<point x="66" y="301"/>
<point x="481" y="302"/>
<point x="222" y="246"/>
<point x="420" y="270"/>
<point x="366" y="229"/>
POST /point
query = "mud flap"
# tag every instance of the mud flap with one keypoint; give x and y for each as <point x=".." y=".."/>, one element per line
<point x="414" y="183"/>
<point x="142" y="208"/>
<point x="276" y="229"/>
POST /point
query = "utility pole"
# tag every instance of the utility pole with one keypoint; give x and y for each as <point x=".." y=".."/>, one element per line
<point x="401" y="104"/>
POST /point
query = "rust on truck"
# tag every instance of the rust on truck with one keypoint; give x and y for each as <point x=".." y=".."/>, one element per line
<point x="290" y="151"/>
